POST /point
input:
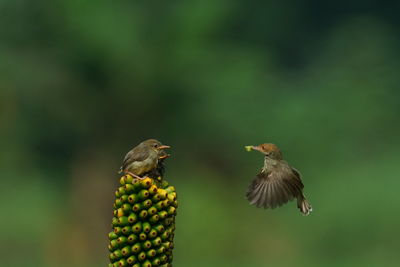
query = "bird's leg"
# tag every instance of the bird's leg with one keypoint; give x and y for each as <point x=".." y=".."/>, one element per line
<point x="134" y="175"/>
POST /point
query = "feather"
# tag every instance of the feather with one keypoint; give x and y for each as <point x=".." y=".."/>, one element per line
<point x="273" y="189"/>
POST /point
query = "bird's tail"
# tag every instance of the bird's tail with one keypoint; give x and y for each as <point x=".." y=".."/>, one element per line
<point x="303" y="205"/>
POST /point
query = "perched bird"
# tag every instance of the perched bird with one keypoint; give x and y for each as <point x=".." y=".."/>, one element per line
<point x="277" y="183"/>
<point x="143" y="158"/>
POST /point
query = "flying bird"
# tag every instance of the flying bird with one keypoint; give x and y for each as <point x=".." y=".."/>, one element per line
<point x="277" y="183"/>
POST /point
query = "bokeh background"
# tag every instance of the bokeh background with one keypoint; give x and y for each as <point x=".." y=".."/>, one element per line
<point x="82" y="82"/>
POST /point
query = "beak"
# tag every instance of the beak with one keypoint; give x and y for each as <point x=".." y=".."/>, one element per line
<point x="249" y="148"/>
<point x="163" y="147"/>
<point x="164" y="156"/>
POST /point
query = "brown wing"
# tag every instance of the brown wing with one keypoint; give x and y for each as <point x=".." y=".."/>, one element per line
<point x="136" y="154"/>
<point x="273" y="189"/>
<point x="297" y="177"/>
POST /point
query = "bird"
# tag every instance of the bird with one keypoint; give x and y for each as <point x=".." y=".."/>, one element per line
<point x="277" y="183"/>
<point x="143" y="158"/>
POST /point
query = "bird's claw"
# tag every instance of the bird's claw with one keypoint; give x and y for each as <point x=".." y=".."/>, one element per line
<point x="135" y="176"/>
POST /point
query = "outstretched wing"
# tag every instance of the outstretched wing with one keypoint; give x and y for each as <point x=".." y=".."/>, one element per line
<point x="273" y="189"/>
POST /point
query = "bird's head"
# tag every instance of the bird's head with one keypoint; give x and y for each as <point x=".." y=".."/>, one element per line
<point x="268" y="149"/>
<point x="156" y="146"/>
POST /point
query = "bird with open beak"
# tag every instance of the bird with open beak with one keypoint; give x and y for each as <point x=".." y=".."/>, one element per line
<point x="144" y="158"/>
<point x="277" y="183"/>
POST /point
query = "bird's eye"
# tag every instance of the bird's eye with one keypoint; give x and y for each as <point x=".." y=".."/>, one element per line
<point x="155" y="145"/>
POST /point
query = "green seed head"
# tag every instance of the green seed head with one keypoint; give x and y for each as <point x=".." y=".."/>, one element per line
<point x="143" y="223"/>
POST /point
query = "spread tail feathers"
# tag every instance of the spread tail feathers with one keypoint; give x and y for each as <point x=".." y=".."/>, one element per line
<point x="303" y="205"/>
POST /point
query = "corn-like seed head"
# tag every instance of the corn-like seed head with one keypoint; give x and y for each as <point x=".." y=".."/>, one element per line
<point x="143" y="223"/>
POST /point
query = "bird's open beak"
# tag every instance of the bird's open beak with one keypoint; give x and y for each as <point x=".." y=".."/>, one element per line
<point x="164" y="156"/>
<point x="163" y="147"/>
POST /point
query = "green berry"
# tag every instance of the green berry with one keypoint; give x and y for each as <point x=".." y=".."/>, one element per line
<point x="141" y="256"/>
<point x="136" y="248"/>
<point x="133" y="198"/>
<point x="146" y="245"/>
<point x="137" y="228"/>
<point x="131" y="260"/>
<point x="143" y="194"/>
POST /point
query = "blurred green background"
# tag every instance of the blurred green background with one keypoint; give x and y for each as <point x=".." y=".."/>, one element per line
<point x="82" y="82"/>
